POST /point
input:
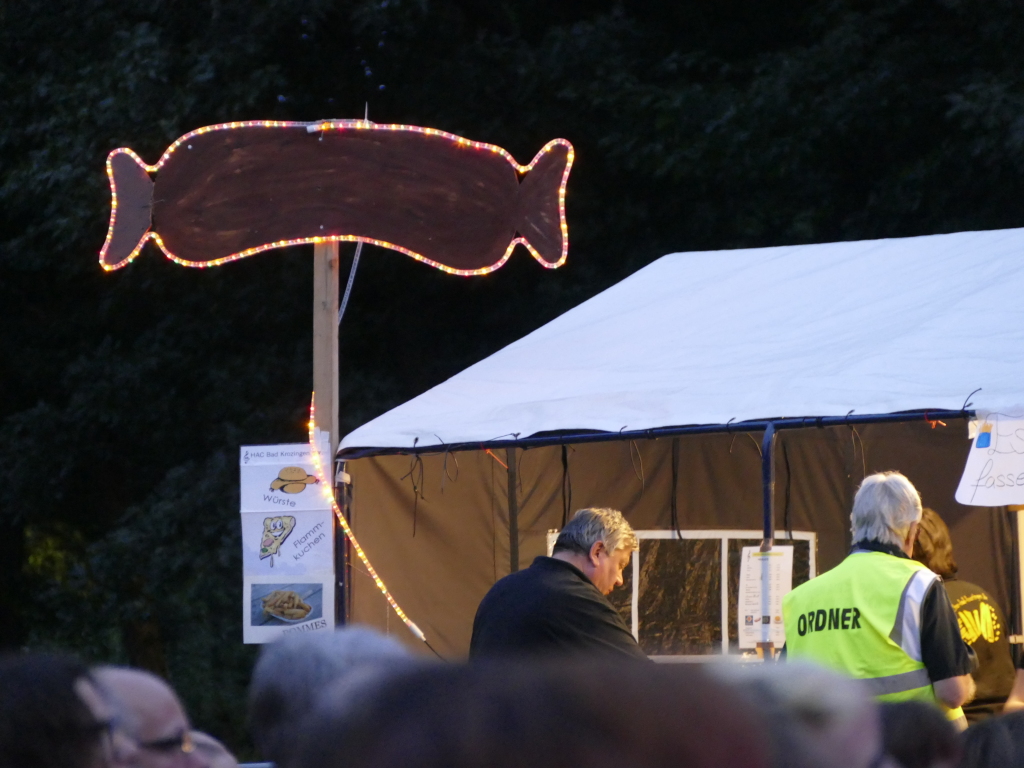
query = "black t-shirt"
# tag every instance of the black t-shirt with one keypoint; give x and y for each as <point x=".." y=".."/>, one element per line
<point x="943" y="651"/>
<point x="549" y="608"/>
<point x="983" y="627"/>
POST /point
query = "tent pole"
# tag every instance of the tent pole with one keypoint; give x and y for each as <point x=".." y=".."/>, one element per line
<point x="768" y="486"/>
<point x="513" y="512"/>
<point x="342" y="555"/>
<point x="766" y="648"/>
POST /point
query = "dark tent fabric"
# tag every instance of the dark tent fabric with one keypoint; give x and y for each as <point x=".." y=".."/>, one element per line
<point x="437" y="526"/>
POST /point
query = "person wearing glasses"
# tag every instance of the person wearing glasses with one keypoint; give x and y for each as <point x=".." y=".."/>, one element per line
<point x="53" y="715"/>
<point x="149" y="711"/>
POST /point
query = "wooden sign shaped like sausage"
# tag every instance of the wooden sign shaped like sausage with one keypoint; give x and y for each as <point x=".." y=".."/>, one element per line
<point x="228" y="191"/>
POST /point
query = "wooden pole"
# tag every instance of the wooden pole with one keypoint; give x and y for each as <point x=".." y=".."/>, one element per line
<point x="325" y="380"/>
<point x="325" y="339"/>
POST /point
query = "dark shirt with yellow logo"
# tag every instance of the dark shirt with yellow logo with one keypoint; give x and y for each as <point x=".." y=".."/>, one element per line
<point x="983" y="627"/>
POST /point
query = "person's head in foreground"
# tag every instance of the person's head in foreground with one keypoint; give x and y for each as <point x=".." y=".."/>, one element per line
<point x="52" y="715"/>
<point x="934" y="547"/>
<point x="995" y="743"/>
<point x="149" y="711"/>
<point x="213" y="751"/>
<point x="293" y="672"/>
<point x="601" y="714"/>
<point x="817" y="718"/>
<point x="599" y="542"/>
<point x="887" y="510"/>
<point x="919" y="735"/>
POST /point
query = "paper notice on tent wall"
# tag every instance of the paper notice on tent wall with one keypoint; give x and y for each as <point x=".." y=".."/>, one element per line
<point x="765" y="578"/>
<point x="994" y="474"/>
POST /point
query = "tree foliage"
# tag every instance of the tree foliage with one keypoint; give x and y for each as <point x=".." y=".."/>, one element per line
<point x="124" y="397"/>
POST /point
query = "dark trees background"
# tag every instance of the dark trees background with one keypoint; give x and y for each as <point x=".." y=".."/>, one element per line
<point x="124" y="396"/>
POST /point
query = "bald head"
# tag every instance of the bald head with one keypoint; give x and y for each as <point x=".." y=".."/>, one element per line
<point x="148" y="709"/>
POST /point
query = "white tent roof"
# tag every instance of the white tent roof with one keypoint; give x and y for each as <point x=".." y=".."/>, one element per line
<point x="875" y="327"/>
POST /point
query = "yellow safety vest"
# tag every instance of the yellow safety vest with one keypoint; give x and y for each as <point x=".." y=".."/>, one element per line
<point x="863" y="618"/>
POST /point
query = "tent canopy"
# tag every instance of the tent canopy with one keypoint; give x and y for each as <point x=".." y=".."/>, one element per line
<point x="873" y="327"/>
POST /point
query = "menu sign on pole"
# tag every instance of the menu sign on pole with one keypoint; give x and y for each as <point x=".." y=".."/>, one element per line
<point x="287" y="544"/>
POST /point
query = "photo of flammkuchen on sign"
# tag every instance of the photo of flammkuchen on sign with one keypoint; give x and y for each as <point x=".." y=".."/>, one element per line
<point x="228" y="191"/>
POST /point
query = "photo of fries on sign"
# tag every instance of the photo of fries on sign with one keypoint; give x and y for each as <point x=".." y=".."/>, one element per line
<point x="286" y="604"/>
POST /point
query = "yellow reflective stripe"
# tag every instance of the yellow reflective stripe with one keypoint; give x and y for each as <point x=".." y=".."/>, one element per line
<point x="905" y="681"/>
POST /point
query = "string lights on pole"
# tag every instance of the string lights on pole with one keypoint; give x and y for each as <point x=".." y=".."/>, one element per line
<point x="328" y="490"/>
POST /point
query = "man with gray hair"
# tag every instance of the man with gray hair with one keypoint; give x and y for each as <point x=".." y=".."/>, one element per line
<point x="559" y="604"/>
<point x="879" y="616"/>
<point x="293" y="672"/>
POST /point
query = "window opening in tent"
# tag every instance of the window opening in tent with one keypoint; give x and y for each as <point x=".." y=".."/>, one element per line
<point x="684" y="591"/>
<point x="680" y="595"/>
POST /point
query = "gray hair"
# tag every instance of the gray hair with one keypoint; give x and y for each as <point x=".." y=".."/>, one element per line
<point x="884" y="508"/>
<point x="817" y="717"/>
<point x="589" y="526"/>
<point x="292" y="672"/>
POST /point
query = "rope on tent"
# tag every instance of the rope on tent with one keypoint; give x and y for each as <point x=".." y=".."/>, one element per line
<point x="493" y="456"/>
<point x="854" y="439"/>
<point x="416" y="462"/>
<point x="328" y="490"/>
<point x="786" y="522"/>
<point x="444" y="467"/>
<point x="969" y="404"/>
<point x="639" y="475"/>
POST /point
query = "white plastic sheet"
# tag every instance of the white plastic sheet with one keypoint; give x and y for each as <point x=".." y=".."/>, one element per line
<point x="871" y="327"/>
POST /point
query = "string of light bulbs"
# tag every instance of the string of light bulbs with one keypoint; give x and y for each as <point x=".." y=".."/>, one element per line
<point x="328" y="490"/>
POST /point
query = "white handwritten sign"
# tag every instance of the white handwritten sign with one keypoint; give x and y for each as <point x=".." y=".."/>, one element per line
<point x="994" y="475"/>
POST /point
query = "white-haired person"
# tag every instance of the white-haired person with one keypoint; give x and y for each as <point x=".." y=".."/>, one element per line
<point x="879" y="616"/>
<point x="293" y="672"/>
<point x="559" y="604"/>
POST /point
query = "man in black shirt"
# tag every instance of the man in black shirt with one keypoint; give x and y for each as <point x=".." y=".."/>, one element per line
<point x="558" y="605"/>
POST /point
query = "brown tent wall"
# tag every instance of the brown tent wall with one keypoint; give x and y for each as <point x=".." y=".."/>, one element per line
<point x="436" y="527"/>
